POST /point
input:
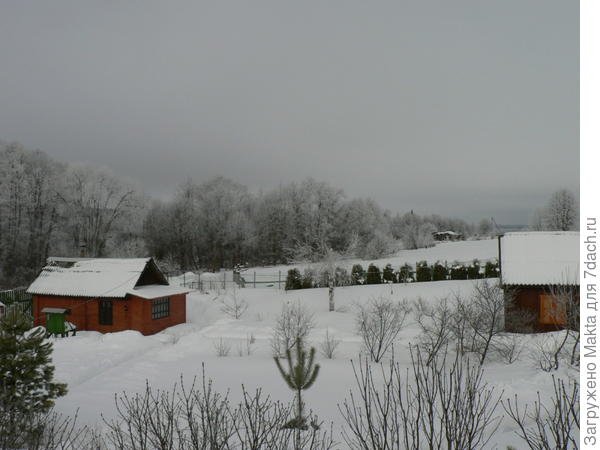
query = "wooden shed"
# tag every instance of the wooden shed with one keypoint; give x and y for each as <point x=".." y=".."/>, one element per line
<point x="108" y="295"/>
<point x="539" y="272"/>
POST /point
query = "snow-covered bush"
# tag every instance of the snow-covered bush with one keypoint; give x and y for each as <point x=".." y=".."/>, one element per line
<point x="294" y="323"/>
<point x="473" y="270"/>
<point x="439" y="272"/>
<point x="388" y="274"/>
<point x="405" y="273"/>
<point x="458" y="272"/>
<point x="357" y="275"/>
<point x="491" y="269"/>
<point x="378" y="323"/>
<point x="293" y="280"/>
<point x="309" y="278"/>
<point x="423" y="271"/>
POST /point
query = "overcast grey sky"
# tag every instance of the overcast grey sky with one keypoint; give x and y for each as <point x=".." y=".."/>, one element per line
<point x="468" y="109"/>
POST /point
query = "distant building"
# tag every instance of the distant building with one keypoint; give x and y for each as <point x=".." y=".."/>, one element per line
<point x="535" y="267"/>
<point x="108" y="295"/>
<point x="447" y="236"/>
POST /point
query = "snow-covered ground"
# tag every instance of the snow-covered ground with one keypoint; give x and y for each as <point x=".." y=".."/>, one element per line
<point x="97" y="366"/>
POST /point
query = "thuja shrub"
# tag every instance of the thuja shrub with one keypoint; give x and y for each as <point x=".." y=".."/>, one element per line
<point x="423" y="271"/>
<point x="357" y="275"/>
<point x="491" y="269"/>
<point x="308" y="279"/>
<point x="458" y="272"/>
<point x="473" y="270"/>
<point x="439" y="272"/>
<point x="373" y="274"/>
<point x="388" y="274"/>
<point x="293" y="280"/>
<point x="405" y="274"/>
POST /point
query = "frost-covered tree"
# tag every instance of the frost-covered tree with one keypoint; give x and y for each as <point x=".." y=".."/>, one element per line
<point x="561" y="212"/>
<point x="96" y="204"/>
<point x="27" y="386"/>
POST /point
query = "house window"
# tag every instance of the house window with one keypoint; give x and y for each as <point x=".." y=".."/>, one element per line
<point x="161" y="307"/>
<point x="105" y="312"/>
<point x="552" y="312"/>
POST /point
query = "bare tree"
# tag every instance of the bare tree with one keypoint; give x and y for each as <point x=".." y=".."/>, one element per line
<point x="553" y="425"/>
<point x="294" y="323"/>
<point x="378" y="323"/>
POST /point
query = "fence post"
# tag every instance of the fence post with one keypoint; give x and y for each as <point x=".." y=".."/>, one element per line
<point x="255" y="279"/>
<point x="224" y="279"/>
<point x="279" y="283"/>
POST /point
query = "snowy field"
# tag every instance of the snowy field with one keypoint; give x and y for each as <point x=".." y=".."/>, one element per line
<point x="97" y="366"/>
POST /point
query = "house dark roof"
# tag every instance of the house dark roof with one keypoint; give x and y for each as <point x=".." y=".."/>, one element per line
<point x="540" y="258"/>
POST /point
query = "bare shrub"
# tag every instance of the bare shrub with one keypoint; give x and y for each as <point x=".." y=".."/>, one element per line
<point x="509" y="347"/>
<point x="222" y="348"/>
<point x="329" y="345"/>
<point x="549" y="353"/>
<point x="435" y="323"/>
<point x="294" y="323"/>
<point x="378" y="323"/>
<point x="49" y="431"/>
<point x="234" y="306"/>
<point x="472" y="323"/>
<point x="442" y="405"/>
<point x="200" y="418"/>
<point x="245" y="348"/>
<point x="552" y="427"/>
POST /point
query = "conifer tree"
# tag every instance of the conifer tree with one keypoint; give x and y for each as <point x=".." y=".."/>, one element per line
<point x="300" y="376"/>
<point x="27" y="388"/>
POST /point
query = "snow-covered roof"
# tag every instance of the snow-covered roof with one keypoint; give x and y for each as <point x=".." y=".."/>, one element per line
<point x="157" y="291"/>
<point x="103" y="277"/>
<point x="54" y="310"/>
<point x="540" y="258"/>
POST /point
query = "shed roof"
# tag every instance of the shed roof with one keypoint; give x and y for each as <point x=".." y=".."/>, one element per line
<point x="540" y="258"/>
<point x="102" y="277"/>
<point x="157" y="291"/>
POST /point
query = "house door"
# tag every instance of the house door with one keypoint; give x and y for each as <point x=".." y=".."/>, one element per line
<point x="105" y="314"/>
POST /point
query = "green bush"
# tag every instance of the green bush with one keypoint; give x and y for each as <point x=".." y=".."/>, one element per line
<point x="342" y="277"/>
<point x="473" y="270"/>
<point x="358" y="274"/>
<point x="308" y="279"/>
<point x="423" y="271"/>
<point x="491" y="269"/>
<point x="293" y="280"/>
<point x="405" y="273"/>
<point x="439" y="272"/>
<point x="388" y="274"/>
<point x="458" y="272"/>
<point x="373" y="274"/>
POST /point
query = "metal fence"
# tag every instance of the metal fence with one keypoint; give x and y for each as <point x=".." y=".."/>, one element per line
<point x="17" y="299"/>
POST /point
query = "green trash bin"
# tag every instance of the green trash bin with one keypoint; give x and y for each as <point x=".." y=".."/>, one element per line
<point x="55" y="320"/>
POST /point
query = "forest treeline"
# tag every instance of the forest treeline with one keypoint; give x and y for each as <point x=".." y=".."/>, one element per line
<point x="49" y="207"/>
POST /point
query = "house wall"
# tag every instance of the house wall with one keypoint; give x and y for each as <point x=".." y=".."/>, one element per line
<point x="132" y="313"/>
<point x="526" y="304"/>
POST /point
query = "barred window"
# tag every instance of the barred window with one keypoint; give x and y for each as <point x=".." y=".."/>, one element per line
<point x="160" y="307"/>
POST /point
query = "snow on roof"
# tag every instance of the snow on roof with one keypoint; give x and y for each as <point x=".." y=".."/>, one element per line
<point x="104" y="277"/>
<point x="54" y="310"/>
<point x="536" y="258"/>
<point x="157" y="290"/>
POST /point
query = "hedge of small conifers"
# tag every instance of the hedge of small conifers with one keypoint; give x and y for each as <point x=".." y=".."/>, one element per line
<point x="312" y="278"/>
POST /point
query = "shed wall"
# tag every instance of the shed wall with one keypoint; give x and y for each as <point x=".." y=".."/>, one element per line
<point x="132" y="313"/>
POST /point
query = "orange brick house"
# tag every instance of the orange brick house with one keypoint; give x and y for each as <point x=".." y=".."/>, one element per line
<point x="539" y="272"/>
<point x="109" y="294"/>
